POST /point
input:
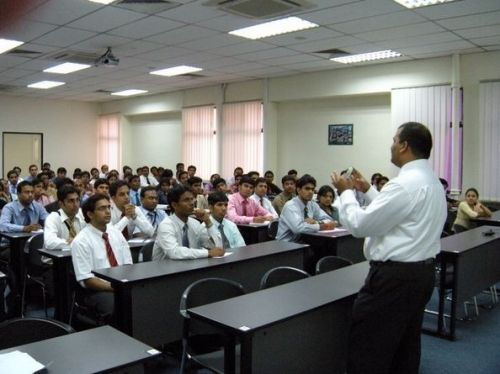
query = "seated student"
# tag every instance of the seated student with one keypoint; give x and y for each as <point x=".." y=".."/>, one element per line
<point x="127" y="172"/>
<point x="381" y="181"/>
<point x="181" y="237"/>
<point x="39" y="194"/>
<point x="229" y="235"/>
<point x="293" y="173"/>
<point x="163" y="189"/>
<point x="260" y="197"/>
<point x="235" y="187"/>
<point x="183" y="177"/>
<point x="326" y="197"/>
<point x="232" y="180"/>
<point x="470" y="208"/>
<point x="104" y="171"/>
<point x="94" y="173"/>
<point x="149" y="201"/>
<point x="146" y="178"/>
<point x="13" y="179"/>
<point x="61" y="175"/>
<point x="80" y="188"/>
<point x="272" y="189"/>
<point x="200" y="201"/>
<point x="288" y="183"/>
<point x="191" y="171"/>
<point x="61" y="227"/>
<point x="127" y="217"/>
<point x="101" y="186"/>
<point x="33" y="170"/>
<point x="375" y="176"/>
<point x="220" y="185"/>
<point x="254" y="175"/>
<point x="5" y="194"/>
<point x="54" y="206"/>
<point x="134" y="194"/>
<point x="99" y="245"/>
<point x="209" y="187"/>
<point x="301" y="214"/>
<point x="24" y="214"/>
<point x="4" y="197"/>
<point x="242" y="209"/>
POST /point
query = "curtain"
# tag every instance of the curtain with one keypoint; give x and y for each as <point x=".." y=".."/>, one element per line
<point x="242" y="137"/>
<point x="108" y="142"/>
<point x="489" y="123"/>
<point x="431" y="106"/>
<point x="199" y="141"/>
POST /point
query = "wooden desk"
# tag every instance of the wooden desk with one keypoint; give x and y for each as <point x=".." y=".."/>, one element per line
<point x="91" y="351"/>
<point x="254" y="232"/>
<point x="475" y="260"/>
<point x="300" y="327"/>
<point x="147" y="294"/>
<point x="341" y="244"/>
<point x="494" y="220"/>
<point x="62" y="271"/>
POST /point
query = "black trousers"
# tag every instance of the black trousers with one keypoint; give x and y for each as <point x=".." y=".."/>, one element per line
<point x="387" y="318"/>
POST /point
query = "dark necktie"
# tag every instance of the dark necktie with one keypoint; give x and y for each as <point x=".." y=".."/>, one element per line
<point x="27" y="219"/>
<point x="125" y="230"/>
<point x="147" y="180"/>
<point x="262" y="202"/>
<point x="109" y="250"/>
<point x="305" y="212"/>
<point x="71" y="227"/>
<point x="225" y="241"/>
<point x="185" y="239"/>
<point x="152" y="218"/>
<point x="244" y="206"/>
<point x="137" y="202"/>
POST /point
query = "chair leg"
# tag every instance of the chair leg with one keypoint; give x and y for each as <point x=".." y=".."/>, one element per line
<point x="44" y="298"/>
<point x="184" y="356"/>
<point x="23" y="296"/>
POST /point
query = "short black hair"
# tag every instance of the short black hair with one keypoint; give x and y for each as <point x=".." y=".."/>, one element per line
<point x="85" y="172"/>
<point x="90" y="203"/>
<point x="36" y="181"/>
<point x="146" y="189"/>
<point x="247" y="179"/>
<point x="64" y="191"/>
<point x="193" y="180"/>
<point x="22" y="184"/>
<point x="174" y="195"/>
<point x="113" y="189"/>
<point x="61" y="170"/>
<point x="217" y="197"/>
<point x="444" y="182"/>
<point x="164" y="180"/>
<point x="167" y="173"/>
<point x="131" y="177"/>
<point x="269" y="172"/>
<point x="181" y="173"/>
<point x="179" y="164"/>
<point x="100" y="181"/>
<point x="288" y="178"/>
<point x="323" y="190"/>
<point x="64" y="182"/>
<point x="12" y="172"/>
<point x="374" y="176"/>
<point x="472" y="189"/>
<point x="192" y="167"/>
<point x="305" y="179"/>
<point x="260" y="180"/>
<point x="418" y="137"/>
<point x="218" y="181"/>
<point x="253" y="172"/>
<point x="292" y="171"/>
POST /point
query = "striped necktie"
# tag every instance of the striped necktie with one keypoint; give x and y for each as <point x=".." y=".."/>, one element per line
<point x="109" y="250"/>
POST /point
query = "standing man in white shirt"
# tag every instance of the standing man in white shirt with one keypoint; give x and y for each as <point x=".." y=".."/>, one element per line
<point x="98" y="246"/>
<point x="127" y="217"/>
<point x="181" y="237"/>
<point x="402" y="225"/>
<point x="61" y="227"/>
<point x="260" y="196"/>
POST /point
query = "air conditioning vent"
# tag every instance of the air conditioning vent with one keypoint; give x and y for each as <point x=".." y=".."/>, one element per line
<point x="334" y="52"/>
<point x="261" y="8"/>
<point x="7" y="88"/>
<point x="24" y="52"/>
<point x="74" y="56"/>
<point x="147" y="6"/>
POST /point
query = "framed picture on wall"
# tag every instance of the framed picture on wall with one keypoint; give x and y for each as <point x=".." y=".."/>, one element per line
<point x="340" y="134"/>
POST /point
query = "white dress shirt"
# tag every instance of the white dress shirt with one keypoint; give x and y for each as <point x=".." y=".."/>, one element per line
<point x="88" y="251"/>
<point x="141" y="223"/>
<point x="266" y="204"/>
<point x="144" y="181"/>
<point x="56" y="233"/>
<point x="403" y="222"/>
<point x="231" y="232"/>
<point x="168" y="243"/>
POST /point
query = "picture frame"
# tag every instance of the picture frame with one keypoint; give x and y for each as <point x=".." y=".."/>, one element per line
<point x="340" y="134"/>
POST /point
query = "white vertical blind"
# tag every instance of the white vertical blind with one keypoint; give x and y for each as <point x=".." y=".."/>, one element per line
<point x="199" y="141"/>
<point x="489" y="121"/>
<point x="108" y="141"/>
<point x="242" y="137"/>
<point x="432" y="107"/>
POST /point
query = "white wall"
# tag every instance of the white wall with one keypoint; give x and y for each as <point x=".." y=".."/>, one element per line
<point x="69" y="128"/>
<point x="303" y="136"/>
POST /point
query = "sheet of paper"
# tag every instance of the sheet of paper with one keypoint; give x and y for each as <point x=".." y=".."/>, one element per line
<point x="19" y="363"/>
<point x="337" y="230"/>
<point x="225" y="255"/>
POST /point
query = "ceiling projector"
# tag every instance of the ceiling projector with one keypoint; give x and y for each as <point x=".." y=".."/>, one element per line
<point x="107" y="59"/>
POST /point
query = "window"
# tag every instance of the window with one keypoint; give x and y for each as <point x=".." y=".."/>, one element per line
<point x="199" y="141"/>
<point x="108" y="142"/>
<point x="242" y="137"/>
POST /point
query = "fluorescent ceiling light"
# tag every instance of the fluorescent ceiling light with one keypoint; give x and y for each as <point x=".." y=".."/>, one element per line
<point x="67" y="67"/>
<point x="176" y="70"/>
<point x="7" y="45"/>
<point x="128" y="92"/>
<point x="420" y="3"/>
<point x="45" y="84"/>
<point x="281" y="26"/>
<point x="366" y="57"/>
<point x="102" y="1"/>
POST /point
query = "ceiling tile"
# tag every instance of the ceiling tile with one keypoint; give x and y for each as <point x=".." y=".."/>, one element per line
<point x="439" y="37"/>
<point x="100" y="42"/>
<point x="340" y="42"/>
<point x="160" y="54"/>
<point x="401" y="31"/>
<point x="450" y="46"/>
<point x="476" y="20"/>
<point x="7" y="61"/>
<point x="240" y="48"/>
<point x="229" y="22"/>
<point x="136" y="48"/>
<point x="216" y="41"/>
<point x="64" y="37"/>
<point x="490" y="41"/>
<point x="106" y="18"/>
<point x="60" y="12"/>
<point x="24" y="30"/>
<point x="146" y="27"/>
<point x="192" y="13"/>
<point x="298" y="37"/>
<point x="268" y="53"/>
<point x="458" y="8"/>
<point x="182" y="35"/>
<point x="290" y="59"/>
<point x="480" y="32"/>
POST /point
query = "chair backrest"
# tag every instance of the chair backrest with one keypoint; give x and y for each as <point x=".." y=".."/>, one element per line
<point x="281" y="275"/>
<point x="330" y="263"/>
<point x="32" y="246"/>
<point x="273" y="229"/>
<point x="146" y="253"/>
<point x="208" y="290"/>
<point x="21" y="331"/>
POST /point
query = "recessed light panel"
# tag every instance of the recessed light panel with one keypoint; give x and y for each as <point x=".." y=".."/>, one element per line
<point x="128" y="92"/>
<point x="420" y="3"/>
<point x="278" y="27"/>
<point x="66" y="68"/>
<point x="7" y="45"/>
<point x="176" y="70"/>
<point x="45" y="84"/>
<point x="352" y="59"/>
<point x="102" y="1"/>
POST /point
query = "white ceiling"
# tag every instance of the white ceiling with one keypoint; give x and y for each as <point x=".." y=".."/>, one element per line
<point x="194" y="34"/>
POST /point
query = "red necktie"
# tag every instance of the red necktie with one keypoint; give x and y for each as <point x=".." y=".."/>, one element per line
<point x="125" y="230"/>
<point x="244" y="206"/>
<point x="109" y="250"/>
